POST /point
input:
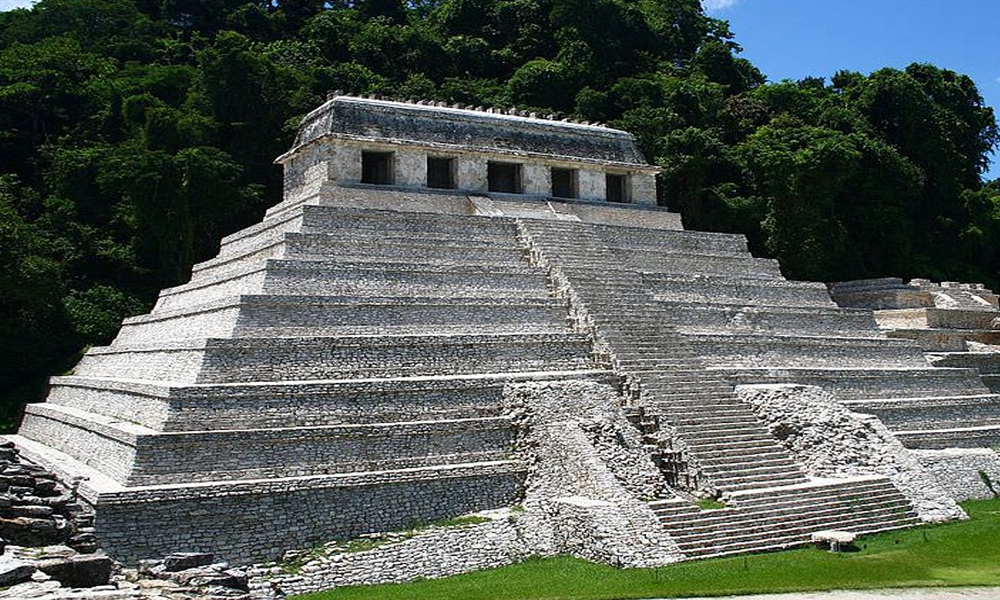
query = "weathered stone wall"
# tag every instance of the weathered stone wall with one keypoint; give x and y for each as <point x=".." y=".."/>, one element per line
<point x="257" y="521"/>
<point x="437" y="552"/>
<point x="966" y="473"/>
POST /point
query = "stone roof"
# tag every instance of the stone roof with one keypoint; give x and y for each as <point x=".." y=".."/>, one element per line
<point x="454" y="128"/>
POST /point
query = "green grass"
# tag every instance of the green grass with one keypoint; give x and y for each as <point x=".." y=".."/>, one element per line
<point x="965" y="553"/>
<point x="709" y="504"/>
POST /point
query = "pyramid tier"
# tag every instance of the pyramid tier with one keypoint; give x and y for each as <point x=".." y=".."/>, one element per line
<point x="195" y="407"/>
<point x="255" y="521"/>
<point x="867" y="383"/>
<point x="334" y="278"/>
<point x="935" y="412"/>
<point x="134" y="455"/>
<point x="218" y="360"/>
<point x="756" y="350"/>
<point x="673" y="287"/>
<point x="721" y="317"/>
<point x="278" y="315"/>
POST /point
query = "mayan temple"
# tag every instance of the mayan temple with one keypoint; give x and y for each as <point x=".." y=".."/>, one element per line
<point x="432" y="320"/>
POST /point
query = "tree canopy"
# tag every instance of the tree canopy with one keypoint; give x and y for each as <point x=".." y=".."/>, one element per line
<point x="136" y="133"/>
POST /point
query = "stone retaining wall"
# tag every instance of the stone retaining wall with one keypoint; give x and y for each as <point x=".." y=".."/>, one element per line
<point x="256" y="522"/>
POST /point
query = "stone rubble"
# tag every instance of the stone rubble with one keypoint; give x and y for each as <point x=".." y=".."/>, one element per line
<point x="831" y="441"/>
<point x="186" y="576"/>
<point x="37" y="509"/>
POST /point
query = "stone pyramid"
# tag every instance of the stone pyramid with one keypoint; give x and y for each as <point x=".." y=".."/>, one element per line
<point x="340" y="368"/>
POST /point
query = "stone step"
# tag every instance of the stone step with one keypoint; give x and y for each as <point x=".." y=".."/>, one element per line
<point x="942" y="412"/>
<point x="764" y="464"/>
<point x="331" y="219"/>
<point x="655" y="364"/>
<point x="791" y="535"/>
<point x="727" y="265"/>
<point x="297" y="277"/>
<point x="260" y="234"/>
<point x="864" y="383"/>
<point x="987" y="363"/>
<point x="343" y="357"/>
<point x="164" y="407"/>
<point x="396" y="279"/>
<point x="135" y="456"/>
<point x="289" y="316"/>
<point x="635" y="238"/>
<point x="731" y="290"/>
<point x="752" y="481"/>
<point x="987" y="436"/>
<point x="748" y="350"/>
<point x="937" y="318"/>
<point x="378" y="248"/>
<point x="736" y="523"/>
<point x="946" y="340"/>
<point x="736" y="318"/>
<point x="461" y="249"/>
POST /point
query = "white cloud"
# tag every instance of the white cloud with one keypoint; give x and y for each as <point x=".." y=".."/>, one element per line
<point x="713" y="5"/>
<point x="6" y="5"/>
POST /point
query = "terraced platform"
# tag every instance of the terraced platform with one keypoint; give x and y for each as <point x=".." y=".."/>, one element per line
<point x="326" y="347"/>
<point x="340" y="352"/>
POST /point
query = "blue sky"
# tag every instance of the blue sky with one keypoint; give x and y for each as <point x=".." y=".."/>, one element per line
<point x="9" y="4"/>
<point x="791" y="39"/>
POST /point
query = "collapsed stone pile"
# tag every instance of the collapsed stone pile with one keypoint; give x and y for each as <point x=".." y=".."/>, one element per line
<point x="58" y="573"/>
<point x="36" y="509"/>
<point x="831" y="441"/>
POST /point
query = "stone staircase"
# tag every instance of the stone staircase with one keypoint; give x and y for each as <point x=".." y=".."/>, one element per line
<point x="351" y="356"/>
<point x="716" y="442"/>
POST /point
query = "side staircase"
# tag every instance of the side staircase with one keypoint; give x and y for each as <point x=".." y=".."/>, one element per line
<point x="717" y="444"/>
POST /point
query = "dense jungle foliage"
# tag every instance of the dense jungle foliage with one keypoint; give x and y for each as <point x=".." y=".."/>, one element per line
<point x="135" y="133"/>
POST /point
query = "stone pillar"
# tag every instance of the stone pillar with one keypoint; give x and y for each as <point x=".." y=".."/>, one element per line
<point x="470" y="174"/>
<point x="591" y="185"/>
<point x="346" y="165"/>
<point x="644" y="189"/>
<point x="536" y="180"/>
<point x="410" y="168"/>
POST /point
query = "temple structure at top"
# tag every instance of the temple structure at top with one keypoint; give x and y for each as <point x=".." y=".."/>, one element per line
<point x="367" y="142"/>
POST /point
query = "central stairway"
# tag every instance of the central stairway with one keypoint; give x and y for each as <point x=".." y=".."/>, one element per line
<point x="717" y="444"/>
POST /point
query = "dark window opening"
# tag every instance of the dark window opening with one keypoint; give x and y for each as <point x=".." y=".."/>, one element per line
<point x="441" y="173"/>
<point x="376" y="167"/>
<point x="564" y="183"/>
<point x="504" y="177"/>
<point x="617" y="188"/>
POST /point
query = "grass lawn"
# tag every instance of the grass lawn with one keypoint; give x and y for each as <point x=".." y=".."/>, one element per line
<point x="965" y="553"/>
